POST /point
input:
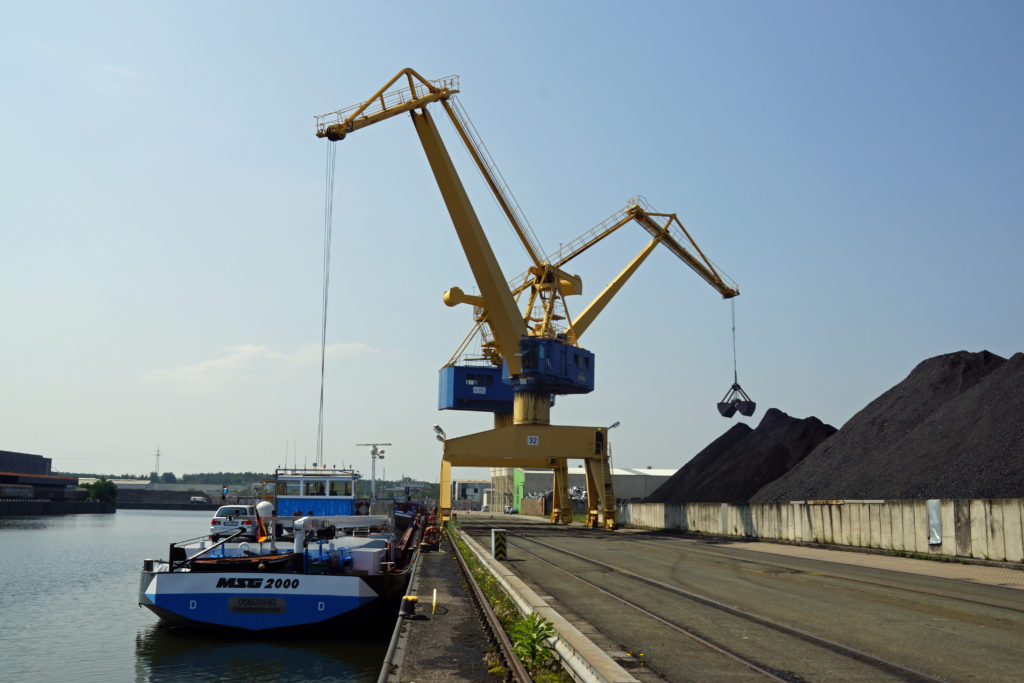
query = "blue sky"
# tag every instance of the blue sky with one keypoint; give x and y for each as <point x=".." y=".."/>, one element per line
<point x="855" y="167"/>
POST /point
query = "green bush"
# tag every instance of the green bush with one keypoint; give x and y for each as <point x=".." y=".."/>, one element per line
<point x="102" y="489"/>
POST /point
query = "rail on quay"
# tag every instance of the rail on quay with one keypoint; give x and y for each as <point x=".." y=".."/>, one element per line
<point x="577" y="654"/>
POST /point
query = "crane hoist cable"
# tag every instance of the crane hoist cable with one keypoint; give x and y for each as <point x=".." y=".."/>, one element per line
<point x="328" y="222"/>
<point x="735" y="399"/>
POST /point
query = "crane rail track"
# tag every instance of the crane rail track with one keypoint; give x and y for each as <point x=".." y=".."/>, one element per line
<point x="879" y="584"/>
<point x="520" y="540"/>
<point x="516" y="669"/>
<point x="670" y="542"/>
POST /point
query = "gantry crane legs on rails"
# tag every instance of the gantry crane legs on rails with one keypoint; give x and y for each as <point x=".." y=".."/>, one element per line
<point x="540" y="361"/>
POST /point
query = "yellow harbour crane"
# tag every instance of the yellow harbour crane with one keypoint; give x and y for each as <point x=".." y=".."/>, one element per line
<point x="531" y="355"/>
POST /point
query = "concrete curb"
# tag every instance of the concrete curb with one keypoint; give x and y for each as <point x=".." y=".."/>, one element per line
<point x="391" y="669"/>
<point x="578" y="654"/>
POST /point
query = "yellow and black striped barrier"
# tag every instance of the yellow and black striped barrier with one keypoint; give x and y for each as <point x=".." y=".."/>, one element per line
<point x="499" y="546"/>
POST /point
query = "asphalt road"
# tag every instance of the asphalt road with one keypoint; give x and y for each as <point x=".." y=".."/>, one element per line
<point x="749" y="604"/>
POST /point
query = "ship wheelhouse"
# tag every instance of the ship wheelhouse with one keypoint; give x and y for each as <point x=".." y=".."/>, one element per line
<point x="319" y="492"/>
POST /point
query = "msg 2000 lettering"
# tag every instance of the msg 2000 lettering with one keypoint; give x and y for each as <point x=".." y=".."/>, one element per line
<point x="245" y="582"/>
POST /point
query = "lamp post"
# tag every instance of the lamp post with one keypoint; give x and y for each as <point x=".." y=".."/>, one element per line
<point x="441" y="436"/>
<point x="376" y="453"/>
<point x="611" y="464"/>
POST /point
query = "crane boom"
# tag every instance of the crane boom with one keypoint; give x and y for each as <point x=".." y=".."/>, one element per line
<point x="419" y="93"/>
<point x="503" y="315"/>
<point x="581" y="322"/>
<point x="673" y="234"/>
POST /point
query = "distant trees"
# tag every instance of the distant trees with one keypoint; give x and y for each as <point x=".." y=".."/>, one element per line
<point x="102" y="489"/>
<point x="231" y="479"/>
<point x="238" y="480"/>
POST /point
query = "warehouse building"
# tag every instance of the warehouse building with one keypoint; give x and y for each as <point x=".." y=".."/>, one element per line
<point x="511" y="485"/>
<point x="23" y="475"/>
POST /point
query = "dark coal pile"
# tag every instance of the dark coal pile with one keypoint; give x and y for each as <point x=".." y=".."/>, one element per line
<point x="954" y="428"/>
<point x="741" y="461"/>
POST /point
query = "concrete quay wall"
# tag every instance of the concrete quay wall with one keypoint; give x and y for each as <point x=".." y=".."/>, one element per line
<point x="989" y="529"/>
<point x="38" y="508"/>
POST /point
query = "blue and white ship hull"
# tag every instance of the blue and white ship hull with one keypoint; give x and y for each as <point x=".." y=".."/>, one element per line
<point x="268" y="601"/>
<point x="338" y="570"/>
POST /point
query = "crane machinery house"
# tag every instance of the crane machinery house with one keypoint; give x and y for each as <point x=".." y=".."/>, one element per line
<point x="548" y="365"/>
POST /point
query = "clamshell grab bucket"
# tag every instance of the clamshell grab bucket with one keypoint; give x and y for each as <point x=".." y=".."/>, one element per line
<point x="736" y="400"/>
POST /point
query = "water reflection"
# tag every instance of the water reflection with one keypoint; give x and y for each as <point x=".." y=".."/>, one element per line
<point x="176" y="654"/>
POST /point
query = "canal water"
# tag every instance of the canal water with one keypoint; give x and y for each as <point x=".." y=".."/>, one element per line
<point x="69" y="611"/>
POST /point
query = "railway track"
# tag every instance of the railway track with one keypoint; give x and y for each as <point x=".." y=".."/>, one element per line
<point x="516" y="671"/>
<point x="660" y="605"/>
<point x="668" y="545"/>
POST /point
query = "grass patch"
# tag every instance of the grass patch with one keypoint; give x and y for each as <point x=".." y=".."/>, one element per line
<point x="527" y="634"/>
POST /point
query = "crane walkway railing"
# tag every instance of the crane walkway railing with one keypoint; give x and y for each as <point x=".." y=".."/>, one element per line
<point x="390" y="100"/>
<point x="590" y="237"/>
<point x="490" y="171"/>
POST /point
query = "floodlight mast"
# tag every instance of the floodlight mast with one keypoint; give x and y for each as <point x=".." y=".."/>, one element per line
<point x="376" y="453"/>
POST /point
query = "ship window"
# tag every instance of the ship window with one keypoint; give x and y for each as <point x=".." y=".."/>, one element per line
<point x="470" y="379"/>
<point x="287" y="488"/>
<point x="314" y="488"/>
<point x="341" y="488"/>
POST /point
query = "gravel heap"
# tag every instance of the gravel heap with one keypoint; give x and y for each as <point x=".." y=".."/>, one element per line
<point x="954" y="428"/>
<point x="738" y="463"/>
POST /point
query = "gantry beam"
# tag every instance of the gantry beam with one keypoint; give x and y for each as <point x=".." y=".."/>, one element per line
<point x="540" y="446"/>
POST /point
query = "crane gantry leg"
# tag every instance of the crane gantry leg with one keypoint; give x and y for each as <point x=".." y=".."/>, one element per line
<point x="561" y="503"/>
<point x="600" y="492"/>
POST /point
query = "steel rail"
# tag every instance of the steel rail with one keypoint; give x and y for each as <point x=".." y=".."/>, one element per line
<point x="839" y="648"/>
<point x="516" y="667"/>
<point x="689" y="634"/>
<point x="852" y="579"/>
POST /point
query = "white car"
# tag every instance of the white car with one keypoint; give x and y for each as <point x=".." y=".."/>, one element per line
<point x="230" y="518"/>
